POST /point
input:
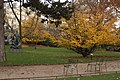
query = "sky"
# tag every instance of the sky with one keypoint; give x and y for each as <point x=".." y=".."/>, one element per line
<point x="58" y="0"/>
<point x="117" y="24"/>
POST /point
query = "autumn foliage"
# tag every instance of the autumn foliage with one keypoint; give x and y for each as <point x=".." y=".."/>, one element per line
<point x="32" y="30"/>
<point x="86" y="31"/>
<point x="91" y="26"/>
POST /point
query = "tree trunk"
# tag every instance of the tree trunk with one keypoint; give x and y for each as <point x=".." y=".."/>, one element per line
<point x="2" y="52"/>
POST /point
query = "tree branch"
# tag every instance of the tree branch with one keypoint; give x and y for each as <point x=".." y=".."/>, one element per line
<point x="11" y="6"/>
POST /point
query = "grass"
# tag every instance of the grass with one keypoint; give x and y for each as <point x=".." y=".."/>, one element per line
<point x="42" y="55"/>
<point x="50" y="55"/>
<point x="113" y="76"/>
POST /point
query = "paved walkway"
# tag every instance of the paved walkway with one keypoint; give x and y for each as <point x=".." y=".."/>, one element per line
<point x="47" y="70"/>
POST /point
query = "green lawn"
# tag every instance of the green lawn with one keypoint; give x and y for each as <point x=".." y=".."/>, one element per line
<point x="50" y="55"/>
<point x="114" y="76"/>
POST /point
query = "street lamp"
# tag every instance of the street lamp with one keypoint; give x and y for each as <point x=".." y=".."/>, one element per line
<point x="20" y="25"/>
<point x="91" y="55"/>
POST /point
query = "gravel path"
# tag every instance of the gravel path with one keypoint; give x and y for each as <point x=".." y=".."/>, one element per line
<point x="47" y="70"/>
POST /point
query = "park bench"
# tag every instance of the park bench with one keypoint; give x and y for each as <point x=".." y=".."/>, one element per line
<point x="98" y="65"/>
<point x="71" y="67"/>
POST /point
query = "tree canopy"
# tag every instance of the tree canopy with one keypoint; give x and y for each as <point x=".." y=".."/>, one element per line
<point x="91" y="25"/>
<point x="51" y="8"/>
<point x="32" y="30"/>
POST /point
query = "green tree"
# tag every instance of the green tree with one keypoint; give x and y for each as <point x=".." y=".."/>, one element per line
<point x="51" y="9"/>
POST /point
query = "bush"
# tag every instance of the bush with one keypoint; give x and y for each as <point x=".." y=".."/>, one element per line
<point x="113" y="48"/>
<point x="48" y="42"/>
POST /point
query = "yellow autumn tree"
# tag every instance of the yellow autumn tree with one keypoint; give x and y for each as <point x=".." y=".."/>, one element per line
<point x="88" y="29"/>
<point x="32" y="30"/>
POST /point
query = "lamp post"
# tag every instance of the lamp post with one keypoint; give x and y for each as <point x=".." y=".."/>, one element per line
<point x="74" y="15"/>
<point x="20" y="25"/>
<point x="91" y="56"/>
